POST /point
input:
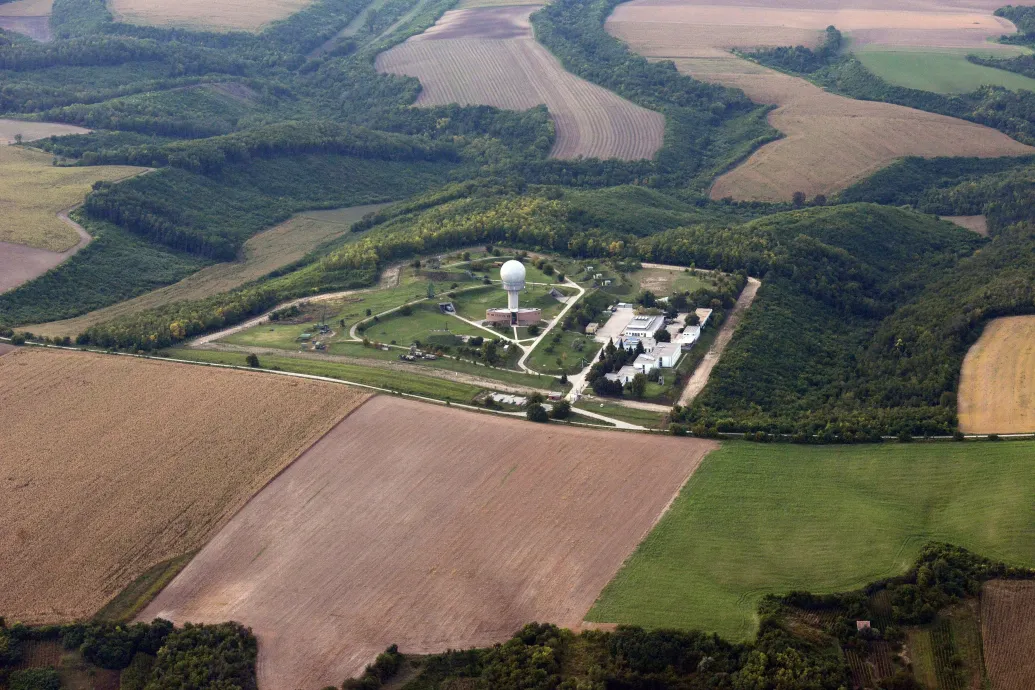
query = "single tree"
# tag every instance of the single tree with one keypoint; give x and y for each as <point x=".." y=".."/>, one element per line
<point x="798" y="199"/>
<point x="561" y="410"/>
<point x="252" y="359"/>
<point x="638" y="386"/>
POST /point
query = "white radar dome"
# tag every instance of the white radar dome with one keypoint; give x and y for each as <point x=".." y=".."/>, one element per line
<point x="513" y="273"/>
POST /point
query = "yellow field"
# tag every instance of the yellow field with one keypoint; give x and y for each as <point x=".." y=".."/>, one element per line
<point x="263" y="253"/>
<point x="112" y="465"/>
<point x="31" y="131"/>
<point x="33" y="192"/>
<point x="225" y="15"/>
<point x="997" y="386"/>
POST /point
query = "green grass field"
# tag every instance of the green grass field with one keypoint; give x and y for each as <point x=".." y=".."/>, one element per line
<point x="632" y="415"/>
<point x="759" y="518"/>
<point x="425" y="324"/>
<point x="401" y="381"/>
<point x="942" y="70"/>
<point x="545" y="356"/>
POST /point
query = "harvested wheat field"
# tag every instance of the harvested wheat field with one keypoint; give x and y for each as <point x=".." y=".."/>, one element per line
<point x="429" y="527"/>
<point x="829" y="141"/>
<point x="263" y="254"/>
<point x="1008" y="631"/>
<point x="978" y="224"/>
<point x="28" y="17"/>
<point x="997" y="384"/>
<point x="225" y="15"/>
<point x="112" y="465"/>
<point x="488" y="56"/>
<point x="31" y="131"/>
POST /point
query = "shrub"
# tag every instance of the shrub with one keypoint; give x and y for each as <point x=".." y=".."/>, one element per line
<point x="533" y="330"/>
<point x="537" y="413"/>
<point x="35" y="679"/>
<point x="561" y="410"/>
<point x="252" y="359"/>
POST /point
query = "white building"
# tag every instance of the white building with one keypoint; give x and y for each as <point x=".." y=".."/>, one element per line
<point x="667" y="354"/>
<point x="644" y="326"/>
<point x="623" y="375"/>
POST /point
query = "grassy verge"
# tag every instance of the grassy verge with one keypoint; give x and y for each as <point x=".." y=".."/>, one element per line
<point x="132" y="600"/>
<point x="559" y="355"/>
<point x="646" y="418"/>
<point x="401" y="381"/>
<point x="759" y="518"/>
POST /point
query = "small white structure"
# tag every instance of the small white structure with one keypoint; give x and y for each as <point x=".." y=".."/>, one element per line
<point x="623" y="375"/>
<point x="667" y="354"/>
<point x="703" y="315"/>
<point x="644" y="326"/>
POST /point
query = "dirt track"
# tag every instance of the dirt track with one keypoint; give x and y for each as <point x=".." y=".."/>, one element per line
<point x="111" y="465"/>
<point x="428" y="527"/>
<point x="997" y="384"/>
<point x="488" y="56"/>
<point x="699" y="379"/>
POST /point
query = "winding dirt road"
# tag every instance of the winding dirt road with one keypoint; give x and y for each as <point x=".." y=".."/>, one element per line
<point x="699" y="379"/>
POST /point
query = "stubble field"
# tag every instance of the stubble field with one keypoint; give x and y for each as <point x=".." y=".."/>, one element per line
<point x="264" y="253"/>
<point x="225" y="15"/>
<point x="28" y="17"/>
<point x="997" y="384"/>
<point x="830" y="141"/>
<point x="431" y="528"/>
<point x="488" y="56"/>
<point x="1008" y="631"/>
<point x="111" y="465"/>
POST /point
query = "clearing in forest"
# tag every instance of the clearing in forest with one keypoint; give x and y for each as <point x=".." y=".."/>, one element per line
<point x="263" y="253"/>
<point x="1008" y="631"/>
<point x="111" y="465"/>
<point x="488" y="56"/>
<point x="830" y="141"/>
<point x="997" y="384"/>
<point x="763" y="518"/>
<point x="225" y="15"/>
<point x="31" y="131"/>
<point x="33" y="192"/>
<point x="429" y="527"/>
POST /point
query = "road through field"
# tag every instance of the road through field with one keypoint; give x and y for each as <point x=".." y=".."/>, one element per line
<point x="111" y="465"/>
<point x="997" y="383"/>
<point x="699" y="379"/>
<point x="393" y="529"/>
<point x="488" y="56"/>
<point x="830" y="141"/>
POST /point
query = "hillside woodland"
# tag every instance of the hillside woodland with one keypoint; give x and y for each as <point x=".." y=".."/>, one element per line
<point x="868" y="302"/>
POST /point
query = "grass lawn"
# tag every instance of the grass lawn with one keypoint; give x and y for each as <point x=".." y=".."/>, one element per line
<point x="942" y="70"/>
<point x="544" y="357"/>
<point x="472" y="304"/>
<point x="759" y="518"/>
<point x="645" y="418"/>
<point x="425" y="324"/>
<point x="402" y="381"/>
<point x="663" y="281"/>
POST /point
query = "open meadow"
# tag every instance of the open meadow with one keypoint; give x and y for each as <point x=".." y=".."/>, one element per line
<point x="262" y="254"/>
<point x="488" y="56"/>
<point x="1008" y="630"/>
<point x="427" y="527"/>
<point x="997" y="383"/>
<point x="226" y="15"/>
<point x="757" y="519"/>
<point x="113" y="465"/>
<point x="33" y="192"/>
<point x="829" y="141"/>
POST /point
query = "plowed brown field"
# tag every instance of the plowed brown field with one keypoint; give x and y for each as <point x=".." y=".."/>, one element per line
<point x="28" y="17"/>
<point x="1008" y="631"/>
<point x="111" y="465"/>
<point x="488" y="56"/>
<point x="997" y="384"/>
<point x="429" y="527"/>
<point x="830" y="141"/>
<point x="224" y="15"/>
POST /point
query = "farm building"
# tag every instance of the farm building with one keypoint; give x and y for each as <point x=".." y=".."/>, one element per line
<point x="643" y="327"/>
